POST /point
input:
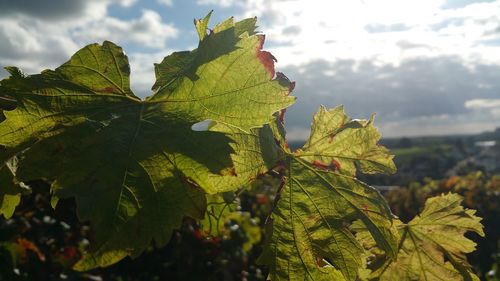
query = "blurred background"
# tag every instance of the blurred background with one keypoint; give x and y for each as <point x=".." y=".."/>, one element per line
<point x="429" y="69"/>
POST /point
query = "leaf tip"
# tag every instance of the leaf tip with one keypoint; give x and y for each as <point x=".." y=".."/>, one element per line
<point x="202" y="25"/>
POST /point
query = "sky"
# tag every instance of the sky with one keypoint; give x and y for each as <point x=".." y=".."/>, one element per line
<point x="425" y="67"/>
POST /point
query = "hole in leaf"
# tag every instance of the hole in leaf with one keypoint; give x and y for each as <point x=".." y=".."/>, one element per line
<point x="202" y="125"/>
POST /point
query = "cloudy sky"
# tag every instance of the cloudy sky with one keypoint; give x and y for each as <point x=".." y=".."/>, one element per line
<point x="425" y="67"/>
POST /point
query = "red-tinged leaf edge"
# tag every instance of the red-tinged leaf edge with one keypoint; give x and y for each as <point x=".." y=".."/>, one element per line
<point x="266" y="58"/>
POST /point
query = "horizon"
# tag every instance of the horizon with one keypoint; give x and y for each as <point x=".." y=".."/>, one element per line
<point x="382" y="138"/>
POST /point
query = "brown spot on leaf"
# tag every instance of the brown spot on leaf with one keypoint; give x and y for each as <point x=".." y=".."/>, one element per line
<point x="313" y="217"/>
<point x="365" y="209"/>
<point x="319" y="261"/>
<point x="336" y="164"/>
<point x="319" y="165"/>
<point x="228" y="172"/>
<point x="333" y="166"/>
<point x="331" y="137"/>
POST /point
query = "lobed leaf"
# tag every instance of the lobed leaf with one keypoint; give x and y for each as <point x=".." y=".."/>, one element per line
<point x="135" y="167"/>
<point x="311" y="238"/>
<point x="341" y="143"/>
<point x="432" y="245"/>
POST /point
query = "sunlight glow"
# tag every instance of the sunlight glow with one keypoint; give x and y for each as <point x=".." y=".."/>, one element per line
<point x="384" y="31"/>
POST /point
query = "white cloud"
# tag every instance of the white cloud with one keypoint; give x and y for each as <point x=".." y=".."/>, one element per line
<point x="485" y="106"/>
<point x="413" y="98"/>
<point x="17" y="39"/>
<point x="221" y="3"/>
<point x="433" y="125"/>
<point x="126" y="3"/>
<point x="168" y="3"/>
<point x="148" y="30"/>
<point x="33" y="45"/>
<point x="142" y="77"/>
<point x="415" y="63"/>
<point x="482" y="103"/>
<point x="438" y="125"/>
<point x="495" y="112"/>
<point x="420" y="66"/>
<point x="36" y="40"/>
<point x="335" y="30"/>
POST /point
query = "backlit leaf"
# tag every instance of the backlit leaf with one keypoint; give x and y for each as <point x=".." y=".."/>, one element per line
<point x="10" y="190"/>
<point x="433" y="245"/>
<point x="136" y="167"/>
<point x="342" y="143"/>
<point x="311" y="239"/>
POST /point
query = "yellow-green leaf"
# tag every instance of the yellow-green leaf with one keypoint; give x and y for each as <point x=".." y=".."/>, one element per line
<point x="433" y="245"/>
<point x="342" y="143"/>
<point x="310" y="237"/>
<point x="136" y="167"/>
<point x="10" y="190"/>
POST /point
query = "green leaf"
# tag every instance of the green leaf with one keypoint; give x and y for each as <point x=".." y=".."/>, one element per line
<point x="433" y="245"/>
<point x="342" y="143"/>
<point x="311" y="224"/>
<point x="311" y="238"/>
<point x="136" y="167"/>
<point x="202" y="26"/>
<point x="160" y="213"/>
<point x="10" y="191"/>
